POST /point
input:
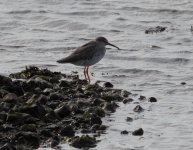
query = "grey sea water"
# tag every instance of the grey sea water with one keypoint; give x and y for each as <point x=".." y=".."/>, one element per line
<point x="38" y="32"/>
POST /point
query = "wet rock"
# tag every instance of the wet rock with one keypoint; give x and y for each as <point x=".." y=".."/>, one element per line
<point x="42" y="99"/>
<point x="51" y="116"/>
<point x="29" y="127"/>
<point x="48" y="91"/>
<point x="10" y="98"/>
<point x="3" y="116"/>
<point x="97" y="102"/>
<point x="67" y="131"/>
<point x="108" y="85"/>
<point x="83" y="103"/>
<point x="99" y="111"/>
<point x="129" y="119"/>
<point x="155" y="30"/>
<point x="35" y="110"/>
<point x="5" y="81"/>
<point x="3" y="93"/>
<point x="183" y="83"/>
<point x="111" y="97"/>
<point x="103" y="127"/>
<point x="32" y="71"/>
<point x="94" y="119"/>
<point x="65" y="84"/>
<point x="83" y="141"/>
<point x="110" y="106"/>
<point x="46" y="132"/>
<point x="56" y="96"/>
<point x="55" y="141"/>
<point x="95" y="127"/>
<point x="152" y="99"/>
<point x="124" y="132"/>
<point x="63" y="111"/>
<point x="38" y="82"/>
<point x="142" y="97"/>
<point x="125" y="93"/>
<point x="138" y="132"/>
<point x="138" y="109"/>
<point x="8" y="146"/>
<point x="127" y="100"/>
<point x="29" y="139"/>
<point x="5" y="106"/>
<point x="17" y="118"/>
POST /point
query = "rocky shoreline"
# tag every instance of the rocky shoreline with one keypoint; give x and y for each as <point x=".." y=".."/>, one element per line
<point x="39" y="107"/>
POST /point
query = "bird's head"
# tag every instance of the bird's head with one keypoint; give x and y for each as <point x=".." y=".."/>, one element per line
<point x="105" y="41"/>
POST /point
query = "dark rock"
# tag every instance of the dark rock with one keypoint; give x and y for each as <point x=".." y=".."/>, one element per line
<point x="103" y="127"/>
<point x="111" y="97"/>
<point x="5" y="81"/>
<point x="97" y="102"/>
<point x="48" y="91"/>
<point x="63" y="111"/>
<point x="138" y="109"/>
<point x="127" y="100"/>
<point x="183" y="83"/>
<point x="11" y="98"/>
<point x="108" y="85"/>
<point x="129" y="119"/>
<point x="17" y="118"/>
<point x="152" y="99"/>
<point x="29" y="139"/>
<point x="124" y="132"/>
<point x="55" y="141"/>
<point x="142" y="97"/>
<point x="29" y="127"/>
<point x="83" y="103"/>
<point x="83" y="141"/>
<point x="5" y="106"/>
<point x="46" y="132"/>
<point x="55" y="96"/>
<point x="64" y="83"/>
<point x="51" y="116"/>
<point x="8" y="146"/>
<point x="39" y="82"/>
<point x="155" y="30"/>
<point x="67" y="131"/>
<point x="3" y="116"/>
<point x="95" y="119"/>
<point x="99" y="111"/>
<point x="35" y="110"/>
<point x="125" y="93"/>
<point x="138" y="132"/>
<point x="95" y="127"/>
<point x="3" y="93"/>
<point x="86" y="131"/>
<point x="42" y="99"/>
<point x="110" y="106"/>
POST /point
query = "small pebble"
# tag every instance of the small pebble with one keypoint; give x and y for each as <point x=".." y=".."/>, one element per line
<point x="129" y="119"/>
<point x="183" y="83"/>
<point x="152" y="99"/>
<point x="138" y="109"/>
<point x="124" y="132"/>
<point x="108" y="85"/>
<point x="138" y="132"/>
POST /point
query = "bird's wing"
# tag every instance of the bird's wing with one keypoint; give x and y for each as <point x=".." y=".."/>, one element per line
<point x="83" y="52"/>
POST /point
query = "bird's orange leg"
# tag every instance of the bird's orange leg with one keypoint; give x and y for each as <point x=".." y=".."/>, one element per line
<point x="85" y="73"/>
<point x="88" y="75"/>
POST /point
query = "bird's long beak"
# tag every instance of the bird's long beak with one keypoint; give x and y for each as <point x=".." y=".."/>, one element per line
<point x="113" y="45"/>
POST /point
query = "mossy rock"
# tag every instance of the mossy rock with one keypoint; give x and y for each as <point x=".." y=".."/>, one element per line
<point x="83" y="141"/>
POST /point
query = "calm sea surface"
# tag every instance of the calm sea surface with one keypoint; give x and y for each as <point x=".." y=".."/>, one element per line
<point x="38" y="32"/>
